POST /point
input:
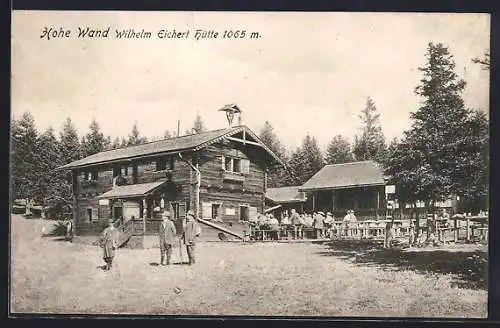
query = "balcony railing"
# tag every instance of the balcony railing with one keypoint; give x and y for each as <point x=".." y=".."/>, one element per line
<point x="231" y="176"/>
<point x="89" y="183"/>
<point x="163" y="174"/>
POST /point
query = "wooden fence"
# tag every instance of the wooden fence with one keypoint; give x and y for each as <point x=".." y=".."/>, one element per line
<point x="372" y="229"/>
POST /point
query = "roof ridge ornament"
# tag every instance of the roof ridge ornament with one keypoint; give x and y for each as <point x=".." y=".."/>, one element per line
<point x="231" y="110"/>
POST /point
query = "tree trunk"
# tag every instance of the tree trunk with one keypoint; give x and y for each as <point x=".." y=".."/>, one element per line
<point x="431" y="224"/>
<point x="417" y="224"/>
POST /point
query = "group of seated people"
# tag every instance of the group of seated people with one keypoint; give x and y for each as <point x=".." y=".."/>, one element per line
<point x="317" y="225"/>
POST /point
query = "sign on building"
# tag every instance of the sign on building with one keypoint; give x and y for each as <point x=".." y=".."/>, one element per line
<point x="390" y="189"/>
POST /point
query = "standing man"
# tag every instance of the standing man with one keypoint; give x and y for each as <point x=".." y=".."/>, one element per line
<point x="295" y="221"/>
<point x="108" y="243"/>
<point x="166" y="235"/>
<point x="191" y="231"/>
<point x="319" y="224"/>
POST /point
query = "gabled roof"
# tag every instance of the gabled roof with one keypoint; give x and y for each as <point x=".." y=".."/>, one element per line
<point x="132" y="190"/>
<point x="184" y="143"/>
<point x="347" y="175"/>
<point x="285" y="195"/>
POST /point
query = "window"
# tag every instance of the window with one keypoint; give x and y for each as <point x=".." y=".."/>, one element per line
<point x="215" y="212"/>
<point x="164" y="164"/>
<point x="244" y="213"/>
<point x="124" y="171"/>
<point x="235" y="165"/>
<point x="90" y="175"/>
<point x="161" y="164"/>
<point x="89" y="214"/>
<point x="178" y="210"/>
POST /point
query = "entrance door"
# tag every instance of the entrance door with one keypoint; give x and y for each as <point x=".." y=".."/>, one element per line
<point x="118" y="212"/>
<point x="244" y="213"/>
<point x="215" y="212"/>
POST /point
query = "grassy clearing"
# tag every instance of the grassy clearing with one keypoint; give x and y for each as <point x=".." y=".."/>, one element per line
<point x="229" y="279"/>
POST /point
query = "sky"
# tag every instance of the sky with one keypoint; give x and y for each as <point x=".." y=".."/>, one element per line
<point x="307" y="73"/>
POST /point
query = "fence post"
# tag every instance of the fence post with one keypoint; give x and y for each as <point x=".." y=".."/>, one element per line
<point x="467" y="229"/>
<point x="455" y="230"/>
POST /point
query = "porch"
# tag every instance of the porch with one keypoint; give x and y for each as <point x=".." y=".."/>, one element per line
<point x="368" y="202"/>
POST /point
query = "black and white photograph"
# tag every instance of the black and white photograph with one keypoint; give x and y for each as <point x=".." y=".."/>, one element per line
<point x="288" y="164"/>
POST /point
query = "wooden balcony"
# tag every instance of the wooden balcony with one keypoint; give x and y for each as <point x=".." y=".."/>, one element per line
<point x="231" y="176"/>
<point x="86" y="184"/>
<point x="163" y="174"/>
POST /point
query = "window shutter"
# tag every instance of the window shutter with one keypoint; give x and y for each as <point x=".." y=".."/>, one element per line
<point x="252" y="212"/>
<point x="245" y="166"/>
<point x="95" y="214"/>
<point x="223" y="162"/>
<point x="206" y="211"/>
<point x="182" y="210"/>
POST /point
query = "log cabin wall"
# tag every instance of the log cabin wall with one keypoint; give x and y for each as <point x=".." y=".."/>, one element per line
<point x="230" y="193"/>
<point x="92" y="216"/>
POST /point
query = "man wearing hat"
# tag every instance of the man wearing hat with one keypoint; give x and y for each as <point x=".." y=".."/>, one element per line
<point x="319" y="224"/>
<point x="191" y="231"/>
<point x="108" y="243"/>
<point x="329" y="224"/>
<point x="166" y="235"/>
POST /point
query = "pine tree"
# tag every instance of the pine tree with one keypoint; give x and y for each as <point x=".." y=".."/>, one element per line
<point x="134" y="137"/>
<point x="198" y="126"/>
<point x="484" y="62"/>
<point x="70" y="146"/>
<point x="48" y="183"/>
<point x="116" y="143"/>
<point x="278" y="175"/>
<point x="445" y="150"/>
<point x="370" y="145"/>
<point x="94" y="141"/>
<point x="306" y="160"/>
<point x="107" y="143"/>
<point x="338" y="151"/>
<point x="23" y="156"/>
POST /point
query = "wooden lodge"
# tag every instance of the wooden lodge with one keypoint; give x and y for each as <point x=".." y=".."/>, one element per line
<point x="220" y="175"/>
<point x="359" y="186"/>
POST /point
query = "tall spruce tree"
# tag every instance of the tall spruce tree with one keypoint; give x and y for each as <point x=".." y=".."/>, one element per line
<point x="338" y="151"/>
<point x="306" y="160"/>
<point x="198" y="126"/>
<point x="134" y="138"/>
<point x="370" y="145"/>
<point x="70" y="146"/>
<point x="278" y="175"/>
<point x="50" y="184"/>
<point x="445" y="150"/>
<point x="94" y="141"/>
<point x="116" y="143"/>
<point x="23" y="156"/>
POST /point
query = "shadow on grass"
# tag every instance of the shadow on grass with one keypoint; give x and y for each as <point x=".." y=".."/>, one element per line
<point x="469" y="267"/>
<point x="155" y="264"/>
